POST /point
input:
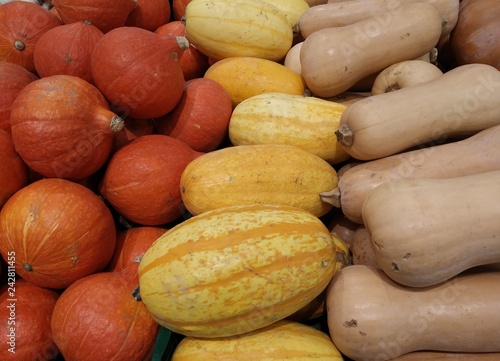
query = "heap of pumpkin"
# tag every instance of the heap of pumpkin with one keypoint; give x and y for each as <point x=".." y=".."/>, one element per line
<point x="232" y="170"/>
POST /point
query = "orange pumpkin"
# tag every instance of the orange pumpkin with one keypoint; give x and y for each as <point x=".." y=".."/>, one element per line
<point x="59" y="231"/>
<point x="62" y="127"/>
<point x="106" y="15"/>
<point x="136" y="72"/>
<point x="21" y="25"/>
<point x="149" y="14"/>
<point x="179" y="8"/>
<point x="98" y="318"/>
<point x="133" y="128"/>
<point x="66" y="49"/>
<point x="142" y="179"/>
<point x="201" y="118"/>
<point x="25" y="314"/>
<point x="13" y="78"/>
<point x="13" y="171"/>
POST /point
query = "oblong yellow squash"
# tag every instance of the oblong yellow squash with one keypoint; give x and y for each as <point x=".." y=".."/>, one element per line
<point x="283" y="340"/>
<point x="257" y="174"/>
<point x="292" y="9"/>
<point x="276" y="118"/>
<point x="244" y="77"/>
<point x="236" y="269"/>
<point x="227" y="28"/>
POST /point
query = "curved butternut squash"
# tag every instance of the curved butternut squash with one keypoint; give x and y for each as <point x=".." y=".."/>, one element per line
<point x="425" y="231"/>
<point x="386" y="124"/>
<point x="334" y="59"/>
<point x="448" y="356"/>
<point x="404" y="74"/>
<point x="372" y="318"/>
<point x="475" y="154"/>
<point x="257" y="174"/>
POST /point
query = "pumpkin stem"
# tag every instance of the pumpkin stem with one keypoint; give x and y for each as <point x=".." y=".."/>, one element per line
<point x="27" y="267"/>
<point x="136" y="293"/>
<point x="344" y="135"/>
<point x="296" y="28"/>
<point x="331" y="197"/>
<point x="183" y="20"/>
<point x="116" y="124"/>
<point x="183" y="42"/>
<point x="19" y="45"/>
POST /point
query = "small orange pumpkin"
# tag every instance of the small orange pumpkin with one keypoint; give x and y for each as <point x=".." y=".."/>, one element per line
<point x="149" y="14"/>
<point x="13" y="171"/>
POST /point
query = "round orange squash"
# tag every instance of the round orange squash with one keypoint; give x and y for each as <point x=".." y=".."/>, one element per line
<point x="59" y="232"/>
<point x="13" y="171"/>
<point x="149" y="14"/>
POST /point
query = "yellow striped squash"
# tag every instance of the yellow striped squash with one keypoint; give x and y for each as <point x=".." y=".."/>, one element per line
<point x="258" y="174"/>
<point x="283" y="340"/>
<point x="277" y="118"/>
<point x="227" y="28"/>
<point x="244" y="77"/>
<point x="293" y="9"/>
<point x="236" y="269"/>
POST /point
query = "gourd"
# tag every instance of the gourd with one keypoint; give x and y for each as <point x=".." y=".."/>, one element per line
<point x="282" y="340"/>
<point x="150" y="14"/>
<point x="277" y="118"/>
<point x="230" y="28"/>
<point x="236" y="269"/>
<point x="475" y="154"/>
<point x="404" y="74"/>
<point x="382" y="125"/>
<point x="334" y="59"/>
<point x="425" y="231"/>
<point x="257" y="174"/>
<point x="59" y="230"/>
<point x="292" y="9"/>
<point x="14" y="174"/>
<point x="374" y="318"/>
<point x="62" y="126"/>
<point x="444" y="356"/>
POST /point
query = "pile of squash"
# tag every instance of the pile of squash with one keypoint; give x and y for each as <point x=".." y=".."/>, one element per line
<point x="266" y="179"/>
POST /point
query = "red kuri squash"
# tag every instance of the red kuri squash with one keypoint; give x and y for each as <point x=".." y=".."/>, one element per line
<point x="13" y="171"/>
<point x="59" y="231"/>
<point x="149" y="14"/>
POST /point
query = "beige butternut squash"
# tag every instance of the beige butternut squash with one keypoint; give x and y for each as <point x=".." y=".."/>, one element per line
<point x="257" y="174"/>
<point x="342" y="13"/>
<point x="334" y="59"/>
<point x="362" y="249"/>
<point x="448" y="356"/>
<point x="404" y="74"/>
<point x="372" y="318"/>
<point x="475" y="154"/>
<point x="425" y="231"/>
<point x="389" y="123"/>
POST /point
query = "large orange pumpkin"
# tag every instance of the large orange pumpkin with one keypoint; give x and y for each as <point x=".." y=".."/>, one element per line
<point x="62" y="127"/>
<point x="142" y="179"/>
<point x="98" y="318"/>
<point x="135" y="70"/>
<point x="21" y="25"/>
<point x="66" y="49"/>
<point x="59" y="231"/>
<point x="25" y="314"/>
<point x="149" y="14"/>
<point x="13" y="171"/>
<point x="13" y="78"/>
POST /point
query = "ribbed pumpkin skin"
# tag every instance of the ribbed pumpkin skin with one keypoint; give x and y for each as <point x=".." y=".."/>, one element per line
<point x="236" y="269"/>
<point x="228" y="28"/>
<point x="257" y="174"/>
<point x="283" y="340"/>
<point x="13" y="171"/>
<point x="277" y="118"/>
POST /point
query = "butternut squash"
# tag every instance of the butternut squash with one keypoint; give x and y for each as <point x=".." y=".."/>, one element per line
<point x="283" y="340"/>
<point x="425" y="231"/>
<point x="389" y="123"/>
<point x="236" y="269"/>
<point x="362" y="249"/>
<point x="448" y="356"/>
<point x="257" y="174"/>
<point x="342" y="13"/>
<point x="372" y="318"/>
<point x="334" y="59"/>
<point x="244" y="77"/>
<point x="404" y="74"/>
<point x="277" y="118"/>
<point x="475" y="154"/>
<point x="228" y="28"/>
<point x="292" y="58"/>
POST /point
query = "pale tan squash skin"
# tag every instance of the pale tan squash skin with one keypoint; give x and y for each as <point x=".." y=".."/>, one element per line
<point x="292" y="58"/>
<point x="362" y="249"/>
<point x="258" y="174"/>
<point x="447" y="356"/>
<point x="404" y="74"/>
<point x="334" y="59"/>
<point x="475" y="154"/>
<point x="371" y="318"/>
<point x="425" y="231"/>
<point x="340" y="13"/>
<point x="389" y="123"/>
<point x="284" y="340"/>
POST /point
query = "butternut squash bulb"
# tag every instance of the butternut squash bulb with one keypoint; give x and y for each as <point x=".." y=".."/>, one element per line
<point x="227" y="28"/>
<point x="236" y="269"/>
